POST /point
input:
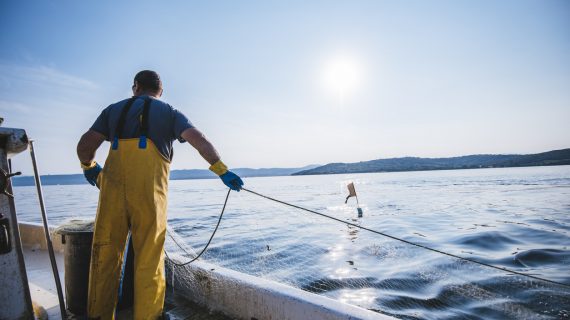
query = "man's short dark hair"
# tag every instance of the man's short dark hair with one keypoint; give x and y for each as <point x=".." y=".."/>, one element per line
<point x="149" y="80"/>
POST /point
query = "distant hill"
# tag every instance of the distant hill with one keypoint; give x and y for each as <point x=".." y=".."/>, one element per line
<point x="242" y="172"/>
<point x="556" y="157"/>
<point x="50" y="179"/>
<point x="71" y="179"/>
<point x="550" y="158"/>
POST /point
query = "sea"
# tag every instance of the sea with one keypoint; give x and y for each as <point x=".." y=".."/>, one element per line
<point x="513" y="218"/>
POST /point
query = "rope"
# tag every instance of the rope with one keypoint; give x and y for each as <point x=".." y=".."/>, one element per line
<point x="363" y="228"/>
<point x="209" y="241"/>
<point x="409" y="242"/>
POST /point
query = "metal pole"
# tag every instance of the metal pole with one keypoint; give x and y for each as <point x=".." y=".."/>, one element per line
<point x="46" y="231"/>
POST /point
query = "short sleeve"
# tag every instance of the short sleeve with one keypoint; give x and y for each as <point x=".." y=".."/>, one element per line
<point x="181" y="123"/>
<point x="101" y="125"/>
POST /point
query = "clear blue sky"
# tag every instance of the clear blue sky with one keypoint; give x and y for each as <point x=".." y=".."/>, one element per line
<point x="261" y="79"/>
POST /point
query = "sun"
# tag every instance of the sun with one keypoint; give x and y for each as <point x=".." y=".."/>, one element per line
<point x="342" y="76"/>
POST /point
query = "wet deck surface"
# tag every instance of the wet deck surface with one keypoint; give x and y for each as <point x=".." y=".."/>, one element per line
<point x="41" y="280"/>
<point x="44" y="292"/>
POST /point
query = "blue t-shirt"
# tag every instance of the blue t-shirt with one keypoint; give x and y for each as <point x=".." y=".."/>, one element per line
<point x="165" y="124"/>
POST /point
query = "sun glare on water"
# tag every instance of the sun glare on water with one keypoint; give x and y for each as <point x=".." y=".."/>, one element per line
<point x="342" y="76"/>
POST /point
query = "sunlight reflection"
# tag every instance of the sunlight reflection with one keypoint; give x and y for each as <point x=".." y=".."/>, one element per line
<point x="336" y="252"/>
<point x="363" y="297"/>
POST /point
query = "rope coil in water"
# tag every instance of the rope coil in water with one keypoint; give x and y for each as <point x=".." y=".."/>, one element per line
<point x="367" y="229"/>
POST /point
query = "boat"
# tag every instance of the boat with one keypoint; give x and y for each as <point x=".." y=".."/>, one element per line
<point x="199" y="290"/>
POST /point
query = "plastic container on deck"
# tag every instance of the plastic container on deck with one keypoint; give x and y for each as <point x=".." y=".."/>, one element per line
<point x="77" y="237"/>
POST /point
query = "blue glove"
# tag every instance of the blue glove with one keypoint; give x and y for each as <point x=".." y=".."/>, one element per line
<point x="92" y="174"/>
<point x="232" y="180"/>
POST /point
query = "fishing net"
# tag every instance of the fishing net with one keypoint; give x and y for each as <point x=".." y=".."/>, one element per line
<point x="279" y="243"/>
<point x="517" y="219"/>
<point x="75" y="225"/>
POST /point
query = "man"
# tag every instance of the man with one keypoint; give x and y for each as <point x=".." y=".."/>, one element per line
<point x="133" y="193"/>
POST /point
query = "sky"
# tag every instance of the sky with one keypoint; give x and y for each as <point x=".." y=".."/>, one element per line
<point x="292" y="83"/>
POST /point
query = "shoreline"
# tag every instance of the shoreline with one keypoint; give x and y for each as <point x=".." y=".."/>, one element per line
<point x="78" y="179"/>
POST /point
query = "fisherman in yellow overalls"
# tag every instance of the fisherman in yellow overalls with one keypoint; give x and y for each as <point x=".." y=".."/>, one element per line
<point x="133" y="193"/>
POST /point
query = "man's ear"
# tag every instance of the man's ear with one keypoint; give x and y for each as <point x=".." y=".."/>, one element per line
<point x="135" y="88"/>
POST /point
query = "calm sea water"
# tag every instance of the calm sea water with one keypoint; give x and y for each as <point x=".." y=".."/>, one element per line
<point x="517" y="218"/>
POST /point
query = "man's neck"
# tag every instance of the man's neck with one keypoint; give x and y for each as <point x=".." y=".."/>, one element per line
<point x="146" y="93"/>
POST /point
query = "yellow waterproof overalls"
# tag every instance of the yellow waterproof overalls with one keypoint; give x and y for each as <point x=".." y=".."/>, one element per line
<point x="134" y="186"/>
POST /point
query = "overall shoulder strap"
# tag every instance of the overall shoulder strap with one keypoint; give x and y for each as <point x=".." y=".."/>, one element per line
<point x="121" y="123"/>
<point x="144" y="124"/>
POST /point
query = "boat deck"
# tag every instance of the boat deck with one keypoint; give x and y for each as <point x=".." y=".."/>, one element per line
<point x="44" y="292"/>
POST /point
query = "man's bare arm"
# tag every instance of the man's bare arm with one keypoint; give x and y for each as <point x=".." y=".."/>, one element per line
<point x="209" y="153"/>
<point x="88" y="144"/>
<point x="200" y="143"/>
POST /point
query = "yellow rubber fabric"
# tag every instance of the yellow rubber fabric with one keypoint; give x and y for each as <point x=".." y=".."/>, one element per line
<point x="91" y="165"/>
<point x="133" y="196"/>
<point x="219" y="168"/>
